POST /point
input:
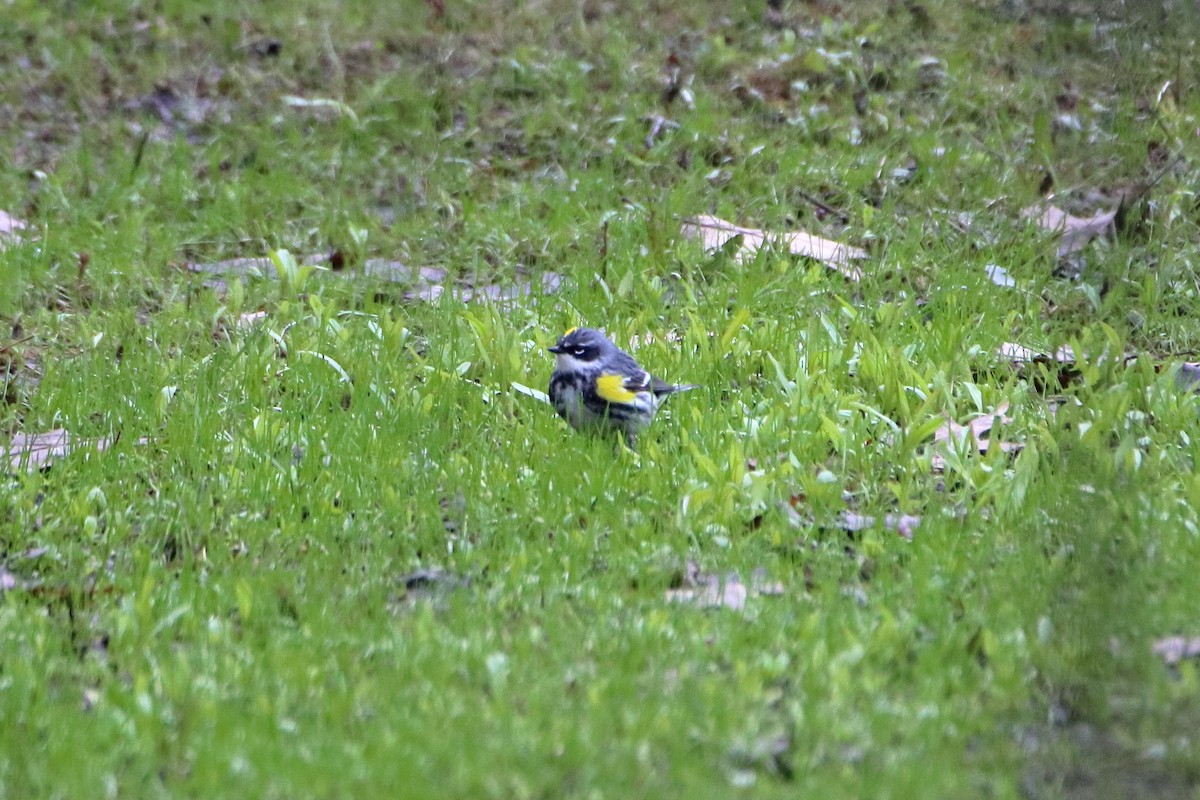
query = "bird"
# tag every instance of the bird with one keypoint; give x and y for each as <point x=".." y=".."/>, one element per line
<point x="597" y="386"/>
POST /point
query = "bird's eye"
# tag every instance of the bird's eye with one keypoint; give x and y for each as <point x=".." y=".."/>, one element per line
<point x="578" y="351"/>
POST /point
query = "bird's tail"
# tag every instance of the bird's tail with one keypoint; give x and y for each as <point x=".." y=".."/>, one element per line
<point x="661" y="387"/>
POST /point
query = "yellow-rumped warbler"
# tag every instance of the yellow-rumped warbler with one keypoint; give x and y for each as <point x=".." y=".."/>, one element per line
<point x="598" y="386"/>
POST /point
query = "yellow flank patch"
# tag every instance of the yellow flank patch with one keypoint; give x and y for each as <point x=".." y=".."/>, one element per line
<point x="569" y="331"/>
<point x="612" y="389"/>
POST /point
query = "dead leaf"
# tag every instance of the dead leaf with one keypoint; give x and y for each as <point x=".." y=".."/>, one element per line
<point x="399" y="272"/>
<point x="321" y="104"/>
<point x="658" y="124"/>
<point x="423" y="580"/>
<point x="1019" y="354"/>
<point x="183" y="109"/>
<point x="999" y="276"/>
<point x="11" y="228"/>
<point x="238" y="267"/>
<point x="263" y="267"/>
<point x="1062" y="363"/>
<point x="536" y="394"/>
<point x="426" y="585"/>
<point x="426" y="283"/>
<point x="9" y="581"/>
<point x="1059" y="369"/>
<point x="264" y="47"/>
<point x="715" y="233"/>
<point x="975" y="434"/>
<point x="713" y="591"/>
<point x="728" y="594"/>
<point x="1076" y="231"/>
<point x="37" y="450"/>
<point x="1188" y="376"/>
<point x="250" y="319"/>
<point x="902" y="524"/>
<point x="977" y="430"/>
<point x="1174" y="649"/>
<point x="497" y="293"/>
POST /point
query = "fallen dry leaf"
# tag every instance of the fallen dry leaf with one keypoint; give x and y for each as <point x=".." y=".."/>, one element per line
<point x="902" y="524"/>
<point x="426" y="585"/>
<point x="536" y="394"/>
<point x="658" y="124"/>
<point x="399" y="272"/>
<point x="37" y="450"/>
<point x="250" y="319"/>
<point x="976" y="433"/>
<point x="497" y="293"/>
<point x="1019" y="354"/>
<point x="999" y="276"/>
<point x="1188" y="376"/>
<point x="1063" y="361"/>
<point x="977" y="429"/>
<point x="714" y="233"/>
<point x="425" y="580"/>
<point x="177" y="110"/>
<point x="11" y="228"/>
<point x="714" y="591"/>
<point x="426" y="283"/>
<point x="1059" y="368"/>
<point x="327" y="105"/>
<point x="263" y="267"/>
<point x="1075" y="231"/>
<point x="9" y="581"/>
<point x="1174" y="649"/>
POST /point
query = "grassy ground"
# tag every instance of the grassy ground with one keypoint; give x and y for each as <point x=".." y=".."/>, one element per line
<point x="335" y="551"/>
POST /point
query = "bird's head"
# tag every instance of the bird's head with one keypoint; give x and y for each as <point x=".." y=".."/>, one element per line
<point x="580" y="347"/>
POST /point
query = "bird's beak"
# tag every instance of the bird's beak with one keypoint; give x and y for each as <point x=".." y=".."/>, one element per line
<point x="556" y="349"/>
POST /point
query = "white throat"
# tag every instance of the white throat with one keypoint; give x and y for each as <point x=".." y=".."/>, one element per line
<point x="565" y="362"/>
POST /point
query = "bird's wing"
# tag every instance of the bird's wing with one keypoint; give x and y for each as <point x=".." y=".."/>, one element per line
<point x="640" y="381"/>
<point x="618" y="388"/>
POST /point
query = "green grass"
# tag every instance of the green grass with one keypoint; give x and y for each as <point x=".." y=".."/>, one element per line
<point x="218" y="604"/>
